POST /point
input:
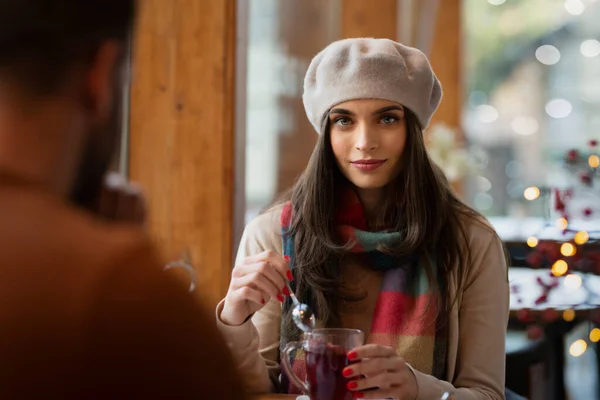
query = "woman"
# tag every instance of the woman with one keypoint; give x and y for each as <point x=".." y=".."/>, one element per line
<point x="373" y="238"/>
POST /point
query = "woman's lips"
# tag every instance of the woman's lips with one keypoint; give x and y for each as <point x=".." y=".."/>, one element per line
<point x="368" y="165"/>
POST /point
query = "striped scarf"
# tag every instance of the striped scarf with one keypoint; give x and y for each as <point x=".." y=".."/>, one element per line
<point x="406" y="314"/>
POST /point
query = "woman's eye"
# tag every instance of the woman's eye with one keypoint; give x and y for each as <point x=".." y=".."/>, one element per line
<point x="388" y="119"/>
<point x="342" y="121"/>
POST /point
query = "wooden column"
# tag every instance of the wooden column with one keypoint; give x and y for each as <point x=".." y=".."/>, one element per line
<point x="446" y="60"/>
<point x="182" y="130"/>
<point x="375" y="18"/>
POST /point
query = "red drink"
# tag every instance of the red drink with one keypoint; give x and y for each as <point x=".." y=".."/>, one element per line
<point x="325" y="357"/>
<point x="324" y="374"/>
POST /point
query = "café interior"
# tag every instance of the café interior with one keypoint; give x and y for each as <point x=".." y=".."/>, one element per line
<point x="214" y="130"/>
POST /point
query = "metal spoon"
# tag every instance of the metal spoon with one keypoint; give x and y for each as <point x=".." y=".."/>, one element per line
<point x="302" y="315"/>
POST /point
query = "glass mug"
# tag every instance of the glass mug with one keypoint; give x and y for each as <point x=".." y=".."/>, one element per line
<point x="325" y="352"/>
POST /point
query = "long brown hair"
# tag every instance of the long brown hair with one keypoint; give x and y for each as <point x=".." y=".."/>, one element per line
<point x="421" y="205"/>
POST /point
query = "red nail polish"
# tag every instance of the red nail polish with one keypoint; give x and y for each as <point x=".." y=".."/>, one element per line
<point x="280" y="298"/>
<point x="262" y="301"/>
<point x="286" y="258"/>
<point x="352" y="385"/>
<point x="347" y="372"/>
<point x="358" y="395"/>
<point x="290" y="276"/>
<point x="352" y="356"/>
<point x="286" y="291"/>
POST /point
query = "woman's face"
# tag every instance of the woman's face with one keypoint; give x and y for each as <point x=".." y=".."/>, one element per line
<point x="368" y="137"/>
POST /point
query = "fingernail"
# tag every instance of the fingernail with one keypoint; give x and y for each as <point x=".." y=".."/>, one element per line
<point x="286" y="258"/>
<point x="290" y="276"/>
<point x="286" y="291"/>
<point x="347" y="372"/>
<point x="352" y="356"/>
<point x="280" y="298"/>
<point x="351" y="385"/>
<point x="262" y="301"/>
<point x="358" y="395"/>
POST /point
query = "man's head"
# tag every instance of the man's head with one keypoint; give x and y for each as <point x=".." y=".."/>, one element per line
<point x="71" y="51"/>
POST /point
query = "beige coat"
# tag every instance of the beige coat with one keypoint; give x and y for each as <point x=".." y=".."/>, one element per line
<point x="477" y="323"/>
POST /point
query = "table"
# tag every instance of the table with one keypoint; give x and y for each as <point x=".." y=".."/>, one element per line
<point x="565" y="296"/>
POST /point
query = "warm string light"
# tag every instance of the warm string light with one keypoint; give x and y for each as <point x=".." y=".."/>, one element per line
<point x="594" y="161"/>
<point x="532" y="241"/>
<point x="559" y="268"/>
<point x="595" y="335"/>
<point x="531" y="193"/>
<point x="567" y="249"/>
<point x="578" y="348"/>
<point x="562" y="223"/>
<point x="581" y="238"/>
<point x="569" y="315"/>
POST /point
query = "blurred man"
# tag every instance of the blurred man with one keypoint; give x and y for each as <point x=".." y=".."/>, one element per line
<point x="85" y="310"/>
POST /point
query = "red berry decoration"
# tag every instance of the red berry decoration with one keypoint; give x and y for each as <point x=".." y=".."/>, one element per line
<point x="534" y="332"/>
<point x="587" y="212"/>
<point x="550" y="315"/>
<point x="572" y="156"/>
<point x="559" y="204"/>
<point x="524" y="315"/>
<point x="534" y="259"/>
<point x="586" y="179"/>
<point x="593" y="143"/>
<point x="542" y="299"/>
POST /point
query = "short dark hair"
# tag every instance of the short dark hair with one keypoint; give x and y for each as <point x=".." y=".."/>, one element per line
<point x="40" y="40"/>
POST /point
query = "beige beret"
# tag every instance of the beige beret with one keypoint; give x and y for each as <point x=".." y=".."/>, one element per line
<point x="365" y="68"/>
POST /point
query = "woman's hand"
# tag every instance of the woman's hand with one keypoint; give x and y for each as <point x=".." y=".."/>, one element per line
<point x="253" y="283"/>
<point x="380" y="373"/>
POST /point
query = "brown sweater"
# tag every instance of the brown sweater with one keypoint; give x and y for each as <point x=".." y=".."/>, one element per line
<point x="87" y="313"/>
<point x="477" y="327"/>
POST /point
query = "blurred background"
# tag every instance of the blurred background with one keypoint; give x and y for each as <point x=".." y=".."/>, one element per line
<point x="215" y="130"/>
<point x="529" y="90"/>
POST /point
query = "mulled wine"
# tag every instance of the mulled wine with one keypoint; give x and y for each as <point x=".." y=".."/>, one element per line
<point x="324" y="374"/>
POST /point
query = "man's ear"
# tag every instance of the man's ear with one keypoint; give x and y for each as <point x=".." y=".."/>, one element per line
<point x="101" y="77"/>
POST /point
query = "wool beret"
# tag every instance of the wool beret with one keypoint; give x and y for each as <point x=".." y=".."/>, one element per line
<point x="367" y="68"/>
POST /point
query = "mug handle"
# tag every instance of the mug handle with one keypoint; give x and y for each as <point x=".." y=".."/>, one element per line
<point x="287" y="366"/>
<point x="185" y="263"/>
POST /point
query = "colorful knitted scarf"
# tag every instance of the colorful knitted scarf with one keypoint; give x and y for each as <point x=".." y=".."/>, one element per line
<point x="406" y="313"/>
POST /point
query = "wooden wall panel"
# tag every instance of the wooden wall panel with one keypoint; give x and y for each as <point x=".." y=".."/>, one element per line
<point x="362" y="18"/>
<point x="182" y="130"/>
<point x="446" y="60"/>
